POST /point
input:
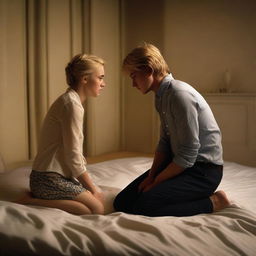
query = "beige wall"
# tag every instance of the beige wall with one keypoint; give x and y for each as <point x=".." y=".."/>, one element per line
<point x="103" y="113"/>
<point x="142" y="21"/>
<point x="204" y="38"/>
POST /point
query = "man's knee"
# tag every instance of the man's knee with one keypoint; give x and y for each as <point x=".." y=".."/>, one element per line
<point x="122" y="203"/>
<point x="143" y="206"/>
<point x="116" y="203"/>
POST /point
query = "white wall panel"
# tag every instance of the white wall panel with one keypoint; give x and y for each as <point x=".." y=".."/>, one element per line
<point x="236" y="116"/>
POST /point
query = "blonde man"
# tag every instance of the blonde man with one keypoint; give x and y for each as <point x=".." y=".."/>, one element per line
<point x="188" y="164"/>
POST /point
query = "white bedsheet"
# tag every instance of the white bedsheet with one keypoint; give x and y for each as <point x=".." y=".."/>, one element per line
<point x="28" y="230"/>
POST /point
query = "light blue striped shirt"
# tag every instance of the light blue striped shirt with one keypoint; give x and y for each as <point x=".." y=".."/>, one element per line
<point x="189" y="131"/>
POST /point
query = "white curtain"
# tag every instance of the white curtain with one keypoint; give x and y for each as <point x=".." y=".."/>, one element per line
<point x="37" y="39"/>
<point x="41" y="66"/>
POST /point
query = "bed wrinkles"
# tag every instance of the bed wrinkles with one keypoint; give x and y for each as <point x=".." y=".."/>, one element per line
<point x="46" y="231"/>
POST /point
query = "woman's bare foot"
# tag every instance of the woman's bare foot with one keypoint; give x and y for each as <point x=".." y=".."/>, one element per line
<point x="25" y="199"/>
<point x="219" y="200"/>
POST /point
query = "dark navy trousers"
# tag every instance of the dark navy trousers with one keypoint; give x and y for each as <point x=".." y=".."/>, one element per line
<point x="184" y="195"/>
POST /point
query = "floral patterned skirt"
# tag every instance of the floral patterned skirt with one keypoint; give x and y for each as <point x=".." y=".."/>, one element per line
<point x="54" y="186"/>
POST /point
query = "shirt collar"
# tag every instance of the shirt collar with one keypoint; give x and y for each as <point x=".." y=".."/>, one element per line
<point x="164" y="84"/>
<point x="73" y="92"/>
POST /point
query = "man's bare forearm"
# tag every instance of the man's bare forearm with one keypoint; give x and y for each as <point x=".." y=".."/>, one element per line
<point x="169" y="172"/>
<point x="161" y="161"/>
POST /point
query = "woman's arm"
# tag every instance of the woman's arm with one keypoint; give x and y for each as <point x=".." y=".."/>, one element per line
<point x="72" y="134"/>
<point x="72" y="137"/>
<point x="87" y="183"/>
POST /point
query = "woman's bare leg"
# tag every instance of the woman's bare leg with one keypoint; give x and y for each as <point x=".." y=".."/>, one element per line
<point x="219" y="200"/>
<point x="87" y="198"/>
<point x="71" y="206"/>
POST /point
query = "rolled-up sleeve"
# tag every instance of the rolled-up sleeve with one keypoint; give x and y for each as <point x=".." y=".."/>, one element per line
<point x="72" y="133"/>
<point x="185" y="137"/>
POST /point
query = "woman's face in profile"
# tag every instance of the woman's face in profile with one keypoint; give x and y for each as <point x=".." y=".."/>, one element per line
<point x="95" y="82"/>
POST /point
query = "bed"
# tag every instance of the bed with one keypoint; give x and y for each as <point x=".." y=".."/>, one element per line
<point x="31" y="230"/>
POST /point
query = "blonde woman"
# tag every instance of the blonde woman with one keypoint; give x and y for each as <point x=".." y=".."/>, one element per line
<point x="188" y="164"/>
<point x="59" y="178"/>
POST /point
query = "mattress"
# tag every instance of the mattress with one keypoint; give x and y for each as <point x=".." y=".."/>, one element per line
<point x="31" y="230"/>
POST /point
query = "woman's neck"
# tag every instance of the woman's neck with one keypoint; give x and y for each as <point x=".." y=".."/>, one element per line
<point x="81" y="95"/>
<point x="80" y="92"/>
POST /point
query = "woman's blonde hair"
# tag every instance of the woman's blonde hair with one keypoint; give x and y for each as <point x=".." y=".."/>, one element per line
<point x="79" y="66"/>
<point x="144" y="56"/>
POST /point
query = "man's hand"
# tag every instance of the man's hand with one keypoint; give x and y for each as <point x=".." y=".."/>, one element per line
<point x="169" y="172"/>
<point x="151" y="185"/>
<point x="145" y="183"/>
<point x="148" y="187"/>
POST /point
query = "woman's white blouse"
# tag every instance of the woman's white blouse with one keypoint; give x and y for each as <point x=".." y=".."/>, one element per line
<point x="61" y="140"/>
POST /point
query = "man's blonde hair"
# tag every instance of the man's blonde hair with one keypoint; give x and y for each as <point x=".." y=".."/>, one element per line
<point x="145" y="56"/>
<point x="79" y="66"/>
